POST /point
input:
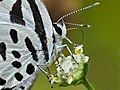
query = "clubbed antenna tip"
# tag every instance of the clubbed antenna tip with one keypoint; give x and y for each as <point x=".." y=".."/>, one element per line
<point x="97" y="3"/>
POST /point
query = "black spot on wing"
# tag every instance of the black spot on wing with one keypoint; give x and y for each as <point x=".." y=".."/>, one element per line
<point x="14" y="36"/>
<point x="39" y="27"/>
<point x="18" y="76"/>
<point x="30" y="69"/>
<point x="16" y="64"/>
<point x="6" y="89"/>
<point x="1" y="0"/>
<point x="2" y="81"/>
<point x="31" y="49"/>
<point x="3" y="50"/>
<point x="54" y="41"/>
<point x="16" y="15"/>
<point x="22" y="87"/>
<point x="16" y="54"/>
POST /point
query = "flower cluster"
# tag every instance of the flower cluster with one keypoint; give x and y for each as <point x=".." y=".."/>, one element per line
<point x="71" y="70"/>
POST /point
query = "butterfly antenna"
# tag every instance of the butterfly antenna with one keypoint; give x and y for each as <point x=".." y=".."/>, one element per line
<point x="80" y="25"/>
<point x="82" y="9"/>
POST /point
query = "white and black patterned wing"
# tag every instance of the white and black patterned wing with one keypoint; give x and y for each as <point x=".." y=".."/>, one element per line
<point x="25" y="41"/>
<point x="17" y="61"/>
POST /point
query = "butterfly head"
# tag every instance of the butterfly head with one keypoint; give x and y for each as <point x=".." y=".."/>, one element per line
<point x="60" y="28"/>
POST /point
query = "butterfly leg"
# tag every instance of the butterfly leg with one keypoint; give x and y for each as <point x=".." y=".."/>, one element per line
<point x="65" y="45"/>
<point x="59" y="65"/>
<point x="46" y="74"/>
<point x="70" y="42"/>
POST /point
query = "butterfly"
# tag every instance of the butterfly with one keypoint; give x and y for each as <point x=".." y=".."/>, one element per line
<point x="29" y="40"/>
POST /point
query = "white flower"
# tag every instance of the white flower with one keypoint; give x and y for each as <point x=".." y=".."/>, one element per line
<point x="71" y="69"/>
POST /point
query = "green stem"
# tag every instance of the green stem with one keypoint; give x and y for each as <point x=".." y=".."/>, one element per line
<point x="87" y="84"/>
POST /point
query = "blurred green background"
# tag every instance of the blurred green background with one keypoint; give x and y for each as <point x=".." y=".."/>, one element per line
<point x="101" y="41"/>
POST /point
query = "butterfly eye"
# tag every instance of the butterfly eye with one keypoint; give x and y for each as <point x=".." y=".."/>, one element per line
<point x="58" y="29"/>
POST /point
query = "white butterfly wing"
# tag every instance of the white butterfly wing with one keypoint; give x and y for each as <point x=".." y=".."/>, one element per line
<point x="17" y="53"/>
<point x="21" y="47"/>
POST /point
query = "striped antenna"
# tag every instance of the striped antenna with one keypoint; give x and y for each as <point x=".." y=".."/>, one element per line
<point x="82" y="9"/>
<point x="80" y="25"/>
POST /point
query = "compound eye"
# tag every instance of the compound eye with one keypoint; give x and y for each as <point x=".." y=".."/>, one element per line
<point x="58" y="29"/>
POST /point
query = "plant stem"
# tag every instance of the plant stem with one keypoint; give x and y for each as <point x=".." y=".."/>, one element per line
<point x="87" y="84"/>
